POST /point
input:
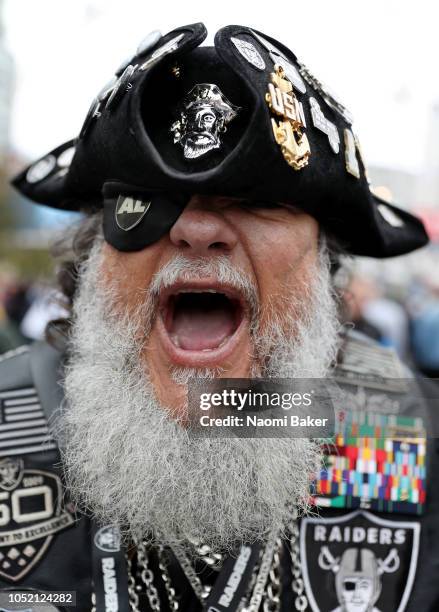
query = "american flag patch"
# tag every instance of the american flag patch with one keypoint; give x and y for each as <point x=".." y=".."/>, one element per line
<point x="23" y="425"/>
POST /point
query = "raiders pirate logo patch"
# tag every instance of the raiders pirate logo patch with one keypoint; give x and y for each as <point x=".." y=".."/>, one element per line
<point x="107" y="539"/>
<point x="31" y="513"/>
<point x="358" y="562"/>
<point x="129" y="212"/>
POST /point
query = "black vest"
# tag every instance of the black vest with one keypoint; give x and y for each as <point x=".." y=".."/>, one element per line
<point x="353" y="552"/>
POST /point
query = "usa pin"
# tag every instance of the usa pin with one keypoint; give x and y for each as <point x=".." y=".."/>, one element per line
<point x="327" y="127"/>
<point x="129" y="212"/>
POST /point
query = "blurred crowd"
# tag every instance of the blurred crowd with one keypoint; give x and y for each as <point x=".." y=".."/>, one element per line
<point x="25" y="309"/>
<point x="408" y="323"/>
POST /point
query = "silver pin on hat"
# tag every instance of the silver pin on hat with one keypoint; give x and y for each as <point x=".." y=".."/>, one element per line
<point x="93" y="113"/>
<point x="204" y="116"/>
<point x="352" y="165"/>
<point x="328" y="96"/>
<point x="65" y="158"/>
<point x="249" y="52"/>
<point x="41" y="169"/>
<point x="120" y="87"/>
<point x="107" y="89"/>
<point x="277" y="57"/>
<point x="168" y="47"/>
<point x="324" y="125"/>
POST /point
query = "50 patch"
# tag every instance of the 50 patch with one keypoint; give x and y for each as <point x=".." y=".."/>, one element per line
<point x="31" y="513"/>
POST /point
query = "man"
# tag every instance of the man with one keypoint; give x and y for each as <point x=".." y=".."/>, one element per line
<point x="219" y="185"/>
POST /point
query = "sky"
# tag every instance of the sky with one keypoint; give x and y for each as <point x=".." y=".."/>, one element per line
<point x="380" y="56"/>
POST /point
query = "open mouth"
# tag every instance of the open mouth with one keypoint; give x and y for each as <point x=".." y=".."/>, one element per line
<point x="201" y="321"/>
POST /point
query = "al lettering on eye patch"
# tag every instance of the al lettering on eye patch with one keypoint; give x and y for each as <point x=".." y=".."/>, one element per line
<point x="130" y="211"/>
<point x="134" y="220"/>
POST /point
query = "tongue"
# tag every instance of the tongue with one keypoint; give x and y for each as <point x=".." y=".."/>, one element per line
<point x="197" y="330"/>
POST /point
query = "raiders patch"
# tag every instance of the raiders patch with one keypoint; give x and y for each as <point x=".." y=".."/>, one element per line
<point x="358" y="562"/>
<point x="129" y="212"/>
<point x="107" y="539"/>
<point x="31" y="513"/>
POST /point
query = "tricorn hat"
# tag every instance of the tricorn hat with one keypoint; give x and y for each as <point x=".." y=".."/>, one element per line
<point x="245" y="118"/>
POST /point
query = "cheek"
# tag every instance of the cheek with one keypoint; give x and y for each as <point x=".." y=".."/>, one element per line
<point x="129" y="273"/>
<point x="286" y="255"/>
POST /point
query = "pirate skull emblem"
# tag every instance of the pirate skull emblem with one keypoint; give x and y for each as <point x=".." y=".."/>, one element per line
<point x="204" y="116"/>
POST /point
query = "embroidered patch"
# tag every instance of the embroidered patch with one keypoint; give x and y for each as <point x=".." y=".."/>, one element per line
<point x="358" y="562"/>
<point x="31" y="513"/>
<point x="23" y="425"/>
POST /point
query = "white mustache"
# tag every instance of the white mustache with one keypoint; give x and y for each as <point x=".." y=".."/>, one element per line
<point x="220" y="270"/>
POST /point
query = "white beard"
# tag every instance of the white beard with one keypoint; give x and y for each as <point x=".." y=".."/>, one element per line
<point x="132" y="465"/>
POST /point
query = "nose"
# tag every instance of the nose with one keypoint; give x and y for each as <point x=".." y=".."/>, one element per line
<point x="203" y="231"/>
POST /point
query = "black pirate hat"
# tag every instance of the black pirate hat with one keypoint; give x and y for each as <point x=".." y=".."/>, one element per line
<point x="244" y="118"/>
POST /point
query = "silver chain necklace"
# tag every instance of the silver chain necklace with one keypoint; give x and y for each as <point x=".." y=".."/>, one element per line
<point x="263" y="574"/>
<point x="147" y="577"/>
<point x="132" y="593"/>
<point x="297" y="584"/>
<point x="274" y="586"/>
<point x="266" y="590"/>
<point x="170" y="591"/>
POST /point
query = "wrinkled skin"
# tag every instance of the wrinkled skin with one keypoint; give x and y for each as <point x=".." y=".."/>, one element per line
<point x="277" y="248"/>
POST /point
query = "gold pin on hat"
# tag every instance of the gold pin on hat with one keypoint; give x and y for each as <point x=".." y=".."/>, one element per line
<point x="289" y="131"/>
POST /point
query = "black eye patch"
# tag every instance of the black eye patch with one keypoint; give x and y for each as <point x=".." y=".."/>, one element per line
<point x="136" y="219"/>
